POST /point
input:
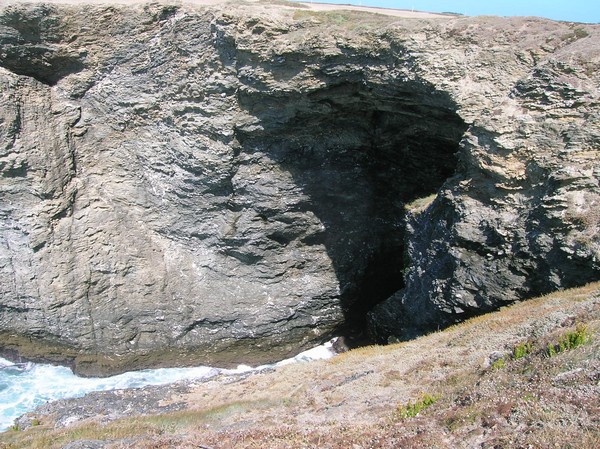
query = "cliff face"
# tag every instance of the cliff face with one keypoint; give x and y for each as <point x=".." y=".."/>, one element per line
<point x="185" y="184"/>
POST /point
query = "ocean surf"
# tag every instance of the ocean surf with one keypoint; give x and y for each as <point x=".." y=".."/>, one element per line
<point x="25" y="386"/>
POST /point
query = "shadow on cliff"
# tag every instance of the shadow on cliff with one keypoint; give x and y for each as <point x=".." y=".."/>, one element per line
<point x="29" y="40"/>
<point x="360" y="152"/>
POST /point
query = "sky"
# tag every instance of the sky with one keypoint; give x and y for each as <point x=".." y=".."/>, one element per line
<point x="569" y="10"/>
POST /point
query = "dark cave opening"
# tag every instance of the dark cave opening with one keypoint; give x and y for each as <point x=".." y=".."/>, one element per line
<point x="360" y="153"/>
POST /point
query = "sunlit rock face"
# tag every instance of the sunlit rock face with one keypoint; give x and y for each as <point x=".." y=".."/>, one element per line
<point x="215" y="185"/>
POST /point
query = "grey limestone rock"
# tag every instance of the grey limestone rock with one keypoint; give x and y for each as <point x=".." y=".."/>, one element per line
<point x="185" y="184"/>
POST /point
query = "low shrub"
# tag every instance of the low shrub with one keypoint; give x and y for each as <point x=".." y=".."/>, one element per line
<point x="412" y="409"/>
<point x="499" y="364"/>
<point x="569" y="340"/>
<point x="522" y="349"/>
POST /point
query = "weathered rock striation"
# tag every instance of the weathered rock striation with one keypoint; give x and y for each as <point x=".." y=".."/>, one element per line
<point x="221" y="184"/>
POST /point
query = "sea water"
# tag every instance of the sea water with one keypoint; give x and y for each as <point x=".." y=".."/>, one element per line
<point x="25" y="386"/>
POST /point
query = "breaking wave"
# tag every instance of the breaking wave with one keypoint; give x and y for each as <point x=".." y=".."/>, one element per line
<point x="25" y="386"/>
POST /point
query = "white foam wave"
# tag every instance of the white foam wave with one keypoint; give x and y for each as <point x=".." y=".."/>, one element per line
<point x="23" y="387"/>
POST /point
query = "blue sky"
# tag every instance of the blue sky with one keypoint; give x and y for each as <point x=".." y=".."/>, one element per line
<point x="570" y="10"/>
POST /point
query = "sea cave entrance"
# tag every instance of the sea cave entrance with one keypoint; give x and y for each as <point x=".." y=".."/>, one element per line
<point x="360" y="152"/>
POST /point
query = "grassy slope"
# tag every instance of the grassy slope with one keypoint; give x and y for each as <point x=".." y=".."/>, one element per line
<point x="359" y="399"/>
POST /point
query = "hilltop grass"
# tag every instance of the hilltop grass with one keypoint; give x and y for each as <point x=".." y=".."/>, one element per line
<point x="349" y="20"/>
<point x="287" y="3"/>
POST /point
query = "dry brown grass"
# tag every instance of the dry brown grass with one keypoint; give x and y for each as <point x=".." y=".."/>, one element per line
<point x="419" y="205"/>
<point x="353" y="400"/>
<point x="353" y="20"/>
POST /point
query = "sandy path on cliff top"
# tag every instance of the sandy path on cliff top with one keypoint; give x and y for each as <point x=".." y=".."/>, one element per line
<point x="310" y="5"/>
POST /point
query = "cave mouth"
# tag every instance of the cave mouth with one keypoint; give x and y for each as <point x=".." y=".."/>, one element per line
<point x="360" y="152"/>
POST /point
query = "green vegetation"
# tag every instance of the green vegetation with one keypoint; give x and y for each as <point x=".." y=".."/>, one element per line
<point x="569" y="340"/>
<point x="412" y="409"/>
<point x="575" y="34"/>
<point x="580" y="33"/>
<point x="499" y="364"/>
<point x="522" y="349"/>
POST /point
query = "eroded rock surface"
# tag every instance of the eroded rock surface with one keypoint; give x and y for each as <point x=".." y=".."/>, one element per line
<point x="223" y="184"/>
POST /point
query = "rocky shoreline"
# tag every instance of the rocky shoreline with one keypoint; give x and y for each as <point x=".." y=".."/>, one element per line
<point x="108" y="406"/>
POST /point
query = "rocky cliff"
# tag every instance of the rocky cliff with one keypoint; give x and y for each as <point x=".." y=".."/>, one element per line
<point x="185" y="183"/>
